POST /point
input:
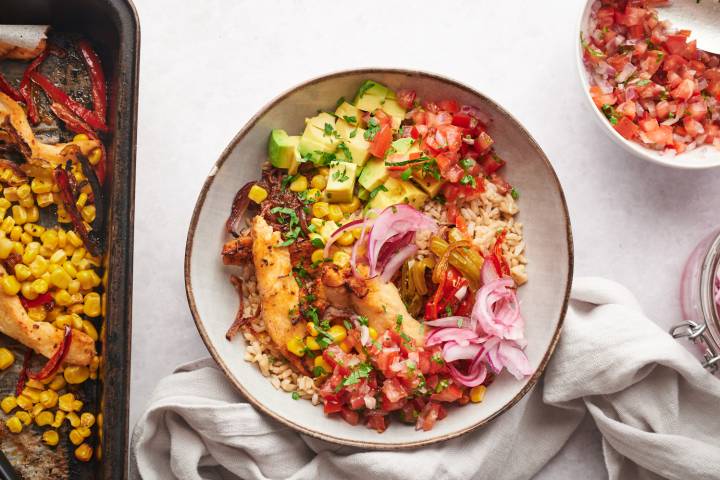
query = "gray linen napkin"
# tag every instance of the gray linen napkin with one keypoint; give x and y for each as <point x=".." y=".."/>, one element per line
<point x="656" y="408"/>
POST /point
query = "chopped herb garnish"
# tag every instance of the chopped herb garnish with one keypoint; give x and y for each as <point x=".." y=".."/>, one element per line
<point x="339" y="102"/>
<point x="372" y="130"/>
<point x="286" y="181"/>
<point x="292" y="221"/>
<point x="295" y="396"/>
<point x="514" y="193"/>
<point x="381" y="188"/>
<point x="406" y="174"/>
<point x="468" y="180"/>
<point x="448" y="310"/>
<point x="437" y="358"/>
<point x="610" y="113"/>
<point x="351" y="120"/>
<point x="346" y="151"/>
<point x="340" y="175"/>
<point x="348" y="325"/>
<point x="362" y="320"/>
<point x="467" y="163"/>
<point x="362" y="371"/>
<point x="398" y="322"/>
<point x="317" y="242"/>
<point x="442" y="385"/>
<point x="353" y="133"/>
<point x="364" y="88"/>
<point x="318" y="371"/>
<point x="329" y="131"/>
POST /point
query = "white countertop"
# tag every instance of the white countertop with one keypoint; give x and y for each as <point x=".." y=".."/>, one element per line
<point x="208" y="65"/>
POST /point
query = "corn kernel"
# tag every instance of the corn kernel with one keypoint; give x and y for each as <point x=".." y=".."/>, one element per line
<point x="351" y="206"/>
<point x="322" y="363"/>
<point x="25" y="238"/>
<point x="15" y="233"/>
<point x="50" y="437"/>
<point x="59" y="417"/>
<point x="335" y="213"/>
<point x="7" y="224"/>
<point x="299" y="184"/>
<point x="317" y="223"/>
<point x="40" y="286"/>
<point x="32" y="393"/>
<point x="24" y="417"/>
<point x="338" y="333"/>
<point x="38" y="266"/>
<point x="477" y="393"/>
<point x="44" y="418"/>
<point x="373" y="333"/>
<point x="76" y="309"/>
<point x="22" y="272"/>
<point x="6" y="246"/>
<point x="45" y="199"/>
<point x="48" y="398"/>
<point x="18" y="248"/>
<point x="311" y="329"/>
<point x="345" y="347"/>
<point x="73" y="287"/>
<point x="39" y="185"/>
<point x="319" y="182"/>
<point x="341" y="259"/>
<point x="24" y="402"/>
<point x="91" y="306"/>
<point x="23" y="191"/>
<point x="6" y="358"/>
<point x="86" y="279"/>
<point x="32" y="250"/>
<point x="73" y="419"/>
<point x="65" y="402"/>
<point x="60" y="278"/>
<point x="90" y="330"/>
<point x="4" y="203"/>
<point x="10" y="194"/>
<point x="58" y="257"/>
<point x="74" y="239"/>
<point x="57" y="383"/>
<point x="8" y="403"/>
<point x="33" y="212"/>
<point x="75" y="437"/>
<point x="95" y="156"/>
<point x="10" y="285"/>
<point x="320" y="209"/>
<point x="87" y="420"/>
<point x="83" y="431"/>
<point x="84" y="452"/>
<point x="317" y="256"/>
<point x="19" y="214"/>
<point x="88" y="213"/>
<point x="62" y="238"/>
<point x="36" y="410"/>
<point x="37" y="314"/>
<point x="75" y="374"/>
<point x="32" y="383"/>
<point x="345" y="239"/>
<point x="49" y="238"/>
<point x="80" y="137"/>
<point x="313" y="195"/>
<point x="27" y="291"/>
<point x="82" y="200"/>
<point x="311" y="343"/>
<point x="14" y="425"/>
<point x="296" y="346"/>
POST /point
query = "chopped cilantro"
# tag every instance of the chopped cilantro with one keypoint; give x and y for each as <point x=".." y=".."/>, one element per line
<point x="364" y="88"/>
<point x="340" y="175"/>
<point x="448" y="310"/>
<point x="398" y="322"/>
<point x="348" y="325"/>
<point x="318" y="371"/>
<point x="514" y="193"/>
<point x="442" y="385"/>
<point x="329" y="131"/>
<point x="351" y="120"/>
<point x="437" y="358"/>
<point x="610" y="113"/>
<point x="381" y="188"/>
<point x="406" y="174"/>
<point x="295" y="396"/>
<point x="362" y="371"/>
<point x="362" y="320"/>
<point x="286" y="181"/>
<point x="353" y="133"/>
<point x="346" y="151"/>
<point x="372" y="130"/>
<point x="467" y="163"/>
<point x="317" y="242"/>
<point x="468" y="180"/>
<point x="339" y="102"/>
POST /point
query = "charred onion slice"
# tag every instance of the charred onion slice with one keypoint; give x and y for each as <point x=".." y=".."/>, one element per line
<point x="56" y="360"/>
<point x="98" y="199"/>
<point x="239" y="206"/>
<point x="22" y="378"/>
<point x="62" y="179"/>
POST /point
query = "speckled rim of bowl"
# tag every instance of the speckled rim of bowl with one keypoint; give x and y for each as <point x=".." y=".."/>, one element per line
<point x="317" y="434"/>
<point x="684" y="161"/>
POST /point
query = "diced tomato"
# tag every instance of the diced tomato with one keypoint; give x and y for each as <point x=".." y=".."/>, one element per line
<point x="698" y="109"/>
<point x="382" y="117"/>
<point x="384" y="359"/>
<point x="662" y="136"/>
<point x="618" y="61"/>
<point x="491" y="163"/>
<point x="652" y="61"/>
<point x="381" y="142"/>
<point x="378" y="422"/>
<point x="449" y="394"/>
<point x="462" y="120"/>
<point x="390" y="406"/>
<point x="419" y="117"/>
<point x="684" y="91"/>
<point x="626" y="128"/>
<point x="605" y="17"/>
<point x="627" y="109"/>
<point x="351" y="417"/>
<point x="427" y="418"/>
<point x="673" y="63"/>
<point x="662" y="109"/>
<point x="331" y="406"/>
<point x="601" y="98"/>
<point x="633" y="16"/>
<point x="693" y="127"/>
<point x="460" y="223"/>
<point x="406" y="98"/>
<point x="408" y="413"/>
<point x="636" y="32"/>
<point x="649" y="124"/>
<point x="449" y="106"/>
<point x="676" y="44"/>
<point x="448" y="164"/>
<point x="483" y="143"/>
<point x="430" y="106"/>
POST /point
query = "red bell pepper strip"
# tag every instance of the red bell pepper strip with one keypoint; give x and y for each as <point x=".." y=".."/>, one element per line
<point x="9" y="90"/>
<point x="57" y="95"/>
<point x="22" y="378"/>
<point x="501" y="266"/>
<point x="72" y="122"/>
<point x="26" y="91"/>
<point x="62" y="180"/>
<point x="42" y="300"/>
<point x="97" y="78"/>
<point x="56" y="360"/>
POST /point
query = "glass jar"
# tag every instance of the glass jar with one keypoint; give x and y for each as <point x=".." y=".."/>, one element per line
<point x="698" y="289"/>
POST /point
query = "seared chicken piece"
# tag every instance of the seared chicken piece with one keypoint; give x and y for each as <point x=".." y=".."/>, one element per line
<point x="380" y="302"/>
<point x="42" y="337"/>
<point x="279" y="292"/>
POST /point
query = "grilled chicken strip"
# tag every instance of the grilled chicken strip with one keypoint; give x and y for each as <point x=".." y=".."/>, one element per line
<point x="279" y="292"/>
<point x="42" y="337"/>
<point x="380" y="302"/>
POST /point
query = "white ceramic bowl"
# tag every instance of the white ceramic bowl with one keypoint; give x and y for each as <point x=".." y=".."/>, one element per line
<point x="704" y="157"/>
<point x="213" y="301"/>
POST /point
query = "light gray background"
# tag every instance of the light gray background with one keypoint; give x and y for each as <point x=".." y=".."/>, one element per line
<point x="208" y="65"/>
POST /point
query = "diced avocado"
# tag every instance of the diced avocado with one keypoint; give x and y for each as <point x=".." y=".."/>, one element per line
<point x="374" y="174"/>
<point x="354" y="140"/>
<point x="428" y="183"/>
<point x="398" y="191"/>
<point x="341" y="182"/>
<point x="363" y="194"/>
<point x="372" y="95"/>
<point x="317" y="138"/>
<point x="393" y="108"/>
<point x="402" y="145"/>
<point x="348" y="112"/>
<point x="282" y="149"/>
<point x="328" y="229"/>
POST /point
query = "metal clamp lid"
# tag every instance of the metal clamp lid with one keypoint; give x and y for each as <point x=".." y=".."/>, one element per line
<point x="695" y="332"/>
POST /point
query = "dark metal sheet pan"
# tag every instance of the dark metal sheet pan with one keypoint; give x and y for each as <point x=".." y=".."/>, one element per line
<point x="112" y="27"/>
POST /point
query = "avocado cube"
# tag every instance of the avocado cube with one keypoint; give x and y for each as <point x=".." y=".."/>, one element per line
<point x="372" y="95"/>
<point x="374" y="174"/>
<point x="349" y="113"/>
<point x="321" y="119"/>
<point x="341" y="182"/>
<point x="402" y="145"/>
<point x="282" y="149"/>
<point x="319" y="137"/>
<point x="397" y="192"/>
<point x="354" y="140"/>
<point x="393" y="108"/>
<point x="428" y="183"/>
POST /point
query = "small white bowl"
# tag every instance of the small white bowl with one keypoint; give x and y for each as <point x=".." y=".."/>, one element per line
<point x="703" y="157"/>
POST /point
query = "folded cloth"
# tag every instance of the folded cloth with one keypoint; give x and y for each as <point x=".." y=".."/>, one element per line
<point x="657" y="409"/>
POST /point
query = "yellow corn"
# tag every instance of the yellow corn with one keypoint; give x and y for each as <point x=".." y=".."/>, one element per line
<point x="6" y="246"/>
<point x="59" y="417"/>
<point x="45" y="199"/>
<point x="8" y="403"/>
<point x="350" y="207"/>
<point x="87" y="420"/>
<point x="24" y="402"/>
<point x="25" y="238"/>
<point x="31" y="252"/>
<point x="73" y="287"/>
<point x="65" y="402"/>
<point x="48" y="398"/>
<point x="75" y="437"/>
<point x="82" y="200"/>
<point x="477" y="393"/>
<point x="18" y="248"/>
<point x="70" y="269"/>
<point x="40" y="286"/>
<point x="62" y="238"/>
<point x="22" y="272"/>
<point x="36" y="410"/>
<point x="57" y="383"/>
<point x="335" y="213"/>
<point x="6" y="358"/>
<point x="91" y="305"/>
<point x="84" y="452"/>
<point x="49" y="238"/>
<point x="319" y="182"/>
<point x="296" y="346"/>
<point x="345" y="239"/>
<point x="73" y="419"/>
<point x="373" y="333"/>
<point x="4" y="204"/>
<point x="317" y="222"/>
<point x="90" y="330"/>
<point x="10" y="194"/>
<point x="88" y="213"/>
<point x="23" y="191"/>
<point x="60" y="278"/>
<point x="338" y="333"/>
<point x="38" y="266"/>
<point x="257" y="194"/>
<point x="58" y="257"/>
<point x="320" y="209"/>
<point x="80" y="137"/>
<point x="311" y="329"/>
<point x="320" y="362"/>
<point x="32" y="383"/>
<point x="14" y="425"/>
<point x="74" y="239"/>
<point x="75" y="374"/>
<point x="7" y="224"/>
<point x="27" y="291"/>
<point x="19" y="214"/>
<point x="39" y="185"/>
<point x="85" y="278"/>
<point x="311" y="343"/>
<point x="15" y="233"/>
<point x="50" y="437"/>
<point x="37" y="314"/>
<point x="317" y="256"/>
<point x="32" y="393"/>
<point x="95" y="156"/>
<point x="44" y="418"/>
<point x="341" y="259"/>
<point x="33" y="212"/>
<point x="299" y="184"/>
<point x="313" y="195"/>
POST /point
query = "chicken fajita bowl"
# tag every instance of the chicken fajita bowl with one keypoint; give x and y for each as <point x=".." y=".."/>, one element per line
<point x="375" y="262"/>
